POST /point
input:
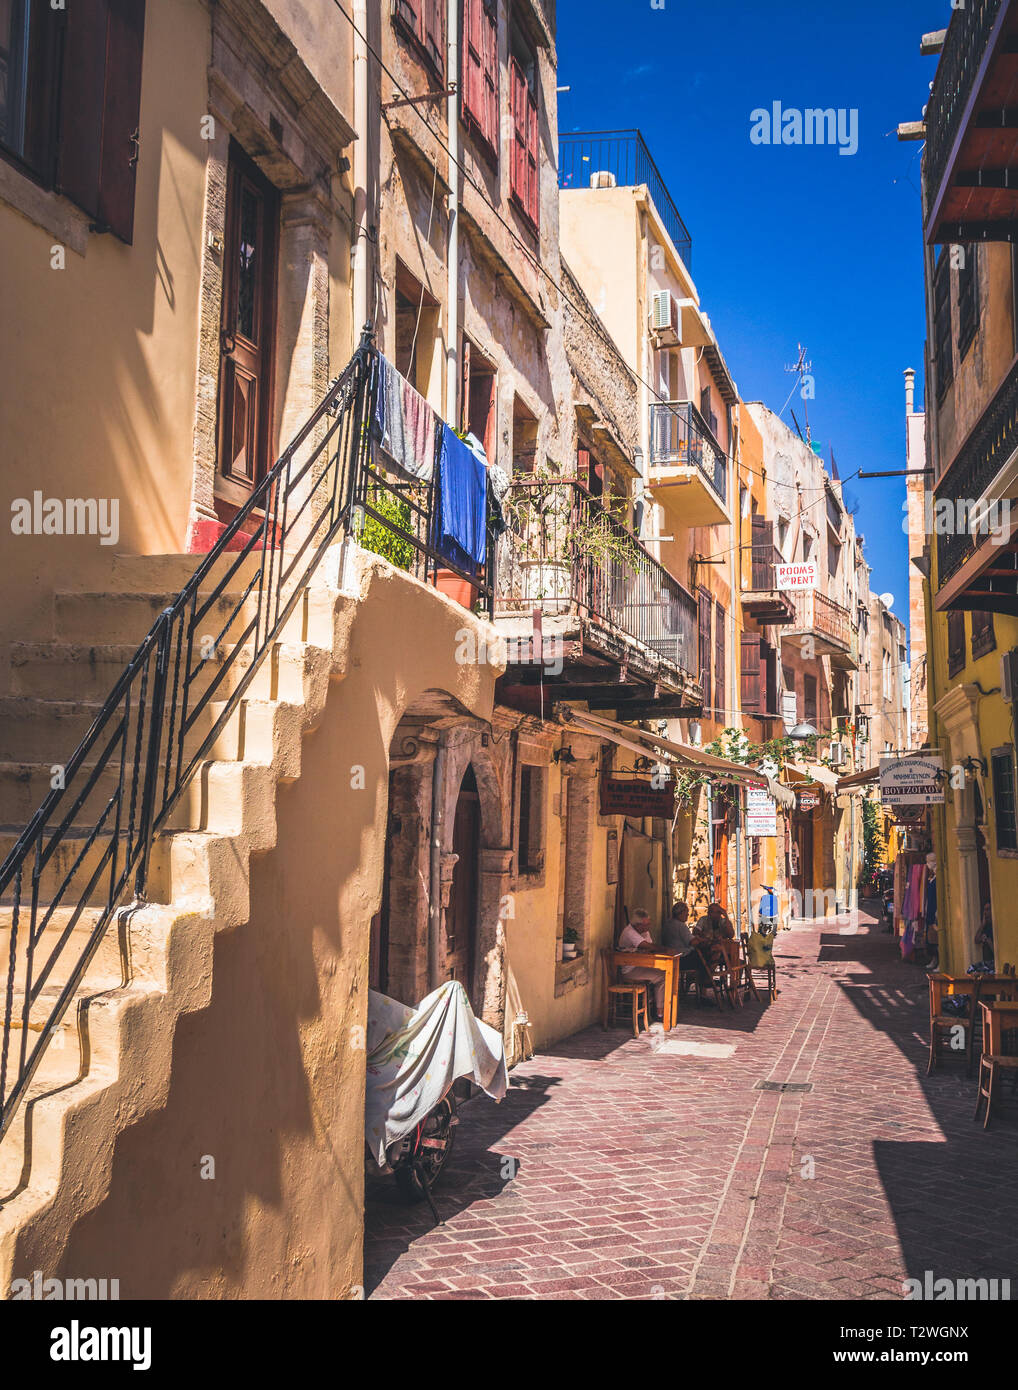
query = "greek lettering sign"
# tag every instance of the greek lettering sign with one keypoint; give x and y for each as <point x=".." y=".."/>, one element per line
<point x="792" y="578"/>
<point x="761" y="812"/>
<point x="912" y="781"/>
<point x="633" y="797"/>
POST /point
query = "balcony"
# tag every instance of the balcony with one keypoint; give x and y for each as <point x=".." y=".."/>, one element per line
<point x="827" y="625"/>
<point x="974" y="499"/>
<point x="970" y="164"/>
<point x="688" y="467"/>
<point x="762" y="599"/>
<point x="624" y="630"/>
<point x="620" y="159"/>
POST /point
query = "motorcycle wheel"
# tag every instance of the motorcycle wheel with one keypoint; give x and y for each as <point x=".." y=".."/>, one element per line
<point x="429" y="1151"/>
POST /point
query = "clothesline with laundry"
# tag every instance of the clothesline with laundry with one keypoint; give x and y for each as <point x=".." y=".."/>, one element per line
<point x="422" y="448"/>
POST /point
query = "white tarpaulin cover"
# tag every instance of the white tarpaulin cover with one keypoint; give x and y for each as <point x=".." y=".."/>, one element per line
<point x="414" y="1056"/>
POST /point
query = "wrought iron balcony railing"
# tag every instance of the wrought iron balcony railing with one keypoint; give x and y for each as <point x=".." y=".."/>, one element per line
<point x="964" y="47"/>
<point x="984" y="453"/>
<point x="622" y="158"/>
<point x="680" y="435"/>
<point x="565" y="554"/>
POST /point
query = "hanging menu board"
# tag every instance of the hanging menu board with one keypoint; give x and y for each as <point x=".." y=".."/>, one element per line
<point x="912" y="781"/>
<point x="761" y="812"/>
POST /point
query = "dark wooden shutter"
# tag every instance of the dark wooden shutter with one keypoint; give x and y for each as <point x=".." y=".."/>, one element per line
<point x="433" y="33"/>
<point x="719" y="661"/>
<point x="983" y="637"/>
<point x="769" y="676"/>
<point x="955" y="641"/>
<point x="762" y="534"/>
<point x="750" y="645"/>
<point x="100" y="107"/>
<point x="408" y="13"/>
<point x="705" y="650"/>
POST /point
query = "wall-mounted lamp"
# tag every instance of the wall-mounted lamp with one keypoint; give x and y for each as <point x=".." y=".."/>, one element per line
<point x="564" y="755"/>
<point x="970" y="764"/>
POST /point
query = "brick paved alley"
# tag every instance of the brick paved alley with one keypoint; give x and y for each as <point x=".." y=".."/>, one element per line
<point x="645" y="1171"/>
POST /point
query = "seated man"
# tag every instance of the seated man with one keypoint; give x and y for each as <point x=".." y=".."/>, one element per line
<point x="711" y="930"/>
<point x="676" y="936"/>
<point x="636" y="937"/>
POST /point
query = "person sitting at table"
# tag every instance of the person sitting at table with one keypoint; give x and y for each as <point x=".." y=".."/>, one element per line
<point x="677" y="937"/>
<point x="712" y="929"/>
<point x="635" y="936"/>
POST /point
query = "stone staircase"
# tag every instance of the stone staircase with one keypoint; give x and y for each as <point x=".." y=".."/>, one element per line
<point x="153" y="963"/>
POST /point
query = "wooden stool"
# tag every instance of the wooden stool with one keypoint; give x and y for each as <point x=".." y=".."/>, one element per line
<point x="613" y="991"/>
<point x="770" y="971"/>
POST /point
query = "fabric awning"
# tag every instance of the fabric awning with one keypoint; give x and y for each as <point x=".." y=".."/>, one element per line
<point x="859" y="779"/>
<point x="813" y="771"/>
<point x="642" y="742"/>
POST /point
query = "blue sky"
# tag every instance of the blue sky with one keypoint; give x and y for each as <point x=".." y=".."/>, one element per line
<point x="790" y="243"/>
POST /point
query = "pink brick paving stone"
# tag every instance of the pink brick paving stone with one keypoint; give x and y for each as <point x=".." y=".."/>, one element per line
<point x="626" y="1157"/>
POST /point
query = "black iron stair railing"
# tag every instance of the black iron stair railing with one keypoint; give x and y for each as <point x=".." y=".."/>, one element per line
<point x="89" y="845"/>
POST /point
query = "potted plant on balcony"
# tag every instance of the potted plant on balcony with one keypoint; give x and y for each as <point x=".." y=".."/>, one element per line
<point x="540" y="515"/>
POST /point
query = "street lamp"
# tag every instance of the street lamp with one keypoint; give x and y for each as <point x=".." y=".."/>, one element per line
<point x="802" y="732"/>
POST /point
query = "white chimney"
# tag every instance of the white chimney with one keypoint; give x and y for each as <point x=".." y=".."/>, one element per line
<point x="909" y="390"/>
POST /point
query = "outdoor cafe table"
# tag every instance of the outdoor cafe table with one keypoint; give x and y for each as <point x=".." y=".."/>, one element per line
<point x="974" y="986"/>
<point x="1000" y="1015"/>
<point x="657" y="960"/>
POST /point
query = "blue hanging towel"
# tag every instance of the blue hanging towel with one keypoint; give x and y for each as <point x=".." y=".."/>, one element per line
<point x="460" y="533"/>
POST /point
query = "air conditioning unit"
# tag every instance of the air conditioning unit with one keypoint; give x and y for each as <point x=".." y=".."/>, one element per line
<point x="602" y="178"/>
<point x="838" y="754"/>
<point x="664" y="318"/>
<point x="1009" y="676"/>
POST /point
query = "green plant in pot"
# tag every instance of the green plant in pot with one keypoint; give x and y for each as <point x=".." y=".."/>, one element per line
<point x="570" y="943"/>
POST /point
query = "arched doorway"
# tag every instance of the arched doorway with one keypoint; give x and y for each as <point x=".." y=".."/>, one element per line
<point x="461" y="914"/>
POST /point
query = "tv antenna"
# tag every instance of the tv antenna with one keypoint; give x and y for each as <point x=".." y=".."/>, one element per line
<point x="802" y="368"/>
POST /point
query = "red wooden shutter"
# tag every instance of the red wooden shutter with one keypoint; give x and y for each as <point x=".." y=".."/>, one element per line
<point x="100" y="106"/>
<point x="524" y="161"/>
<point x="719" y="661"/>
<point x="433" y="33"/>
<point x="705" y="650"/>
<point x="408" y="12"/>
<point x="750" y="645"/>
<point x="470" y="99"/>
<point x="489" y="75"/>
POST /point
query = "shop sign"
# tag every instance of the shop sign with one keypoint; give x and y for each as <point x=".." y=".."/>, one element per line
<point x="761" y="812"/>
<point x="632" y="796"/>
<point x="795" y="578"/>
<point x="912" y="781"/>
<point x="809" y="800"/>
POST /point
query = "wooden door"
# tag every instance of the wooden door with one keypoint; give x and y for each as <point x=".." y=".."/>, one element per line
<point x="461" y="914"/>
<point x="247" y="333"/>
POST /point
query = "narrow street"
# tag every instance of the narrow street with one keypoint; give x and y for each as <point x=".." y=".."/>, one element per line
<point x="658" y="1168"/>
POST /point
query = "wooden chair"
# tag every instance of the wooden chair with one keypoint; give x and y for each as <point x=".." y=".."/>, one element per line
<point x="990" y="1064"/>
<point x="614" y="990"/>
<point x="740" y="976"/>
<point x="686" y="979"/>
<point x="941" y="988"/>
<point x="770" y="971"/>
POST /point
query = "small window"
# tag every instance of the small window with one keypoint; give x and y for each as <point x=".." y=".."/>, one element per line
<point x="807" y="545"/>
<point x="968" y="297"/>
<point x="983" y="638"/>
<point x="955" y="641"/>
<point x="530" y="838"/>
<point x="942" y="350"/>
<point x="1002" y="761"/>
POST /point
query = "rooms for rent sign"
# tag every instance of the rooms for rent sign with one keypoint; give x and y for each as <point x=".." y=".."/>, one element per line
<point x="791" y="578"/>
<point x="912" y="781"/>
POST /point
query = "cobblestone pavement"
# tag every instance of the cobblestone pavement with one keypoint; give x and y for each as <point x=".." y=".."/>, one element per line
<point x="627" y="1168"/>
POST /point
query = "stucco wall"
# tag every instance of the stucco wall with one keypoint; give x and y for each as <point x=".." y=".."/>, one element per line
<point x="269" y="1079"/>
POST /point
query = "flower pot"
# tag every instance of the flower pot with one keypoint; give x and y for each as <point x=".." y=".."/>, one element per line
<point x="569" y="950"/>
<point x="546" y="580"/>
<point x="461" y="590"/>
